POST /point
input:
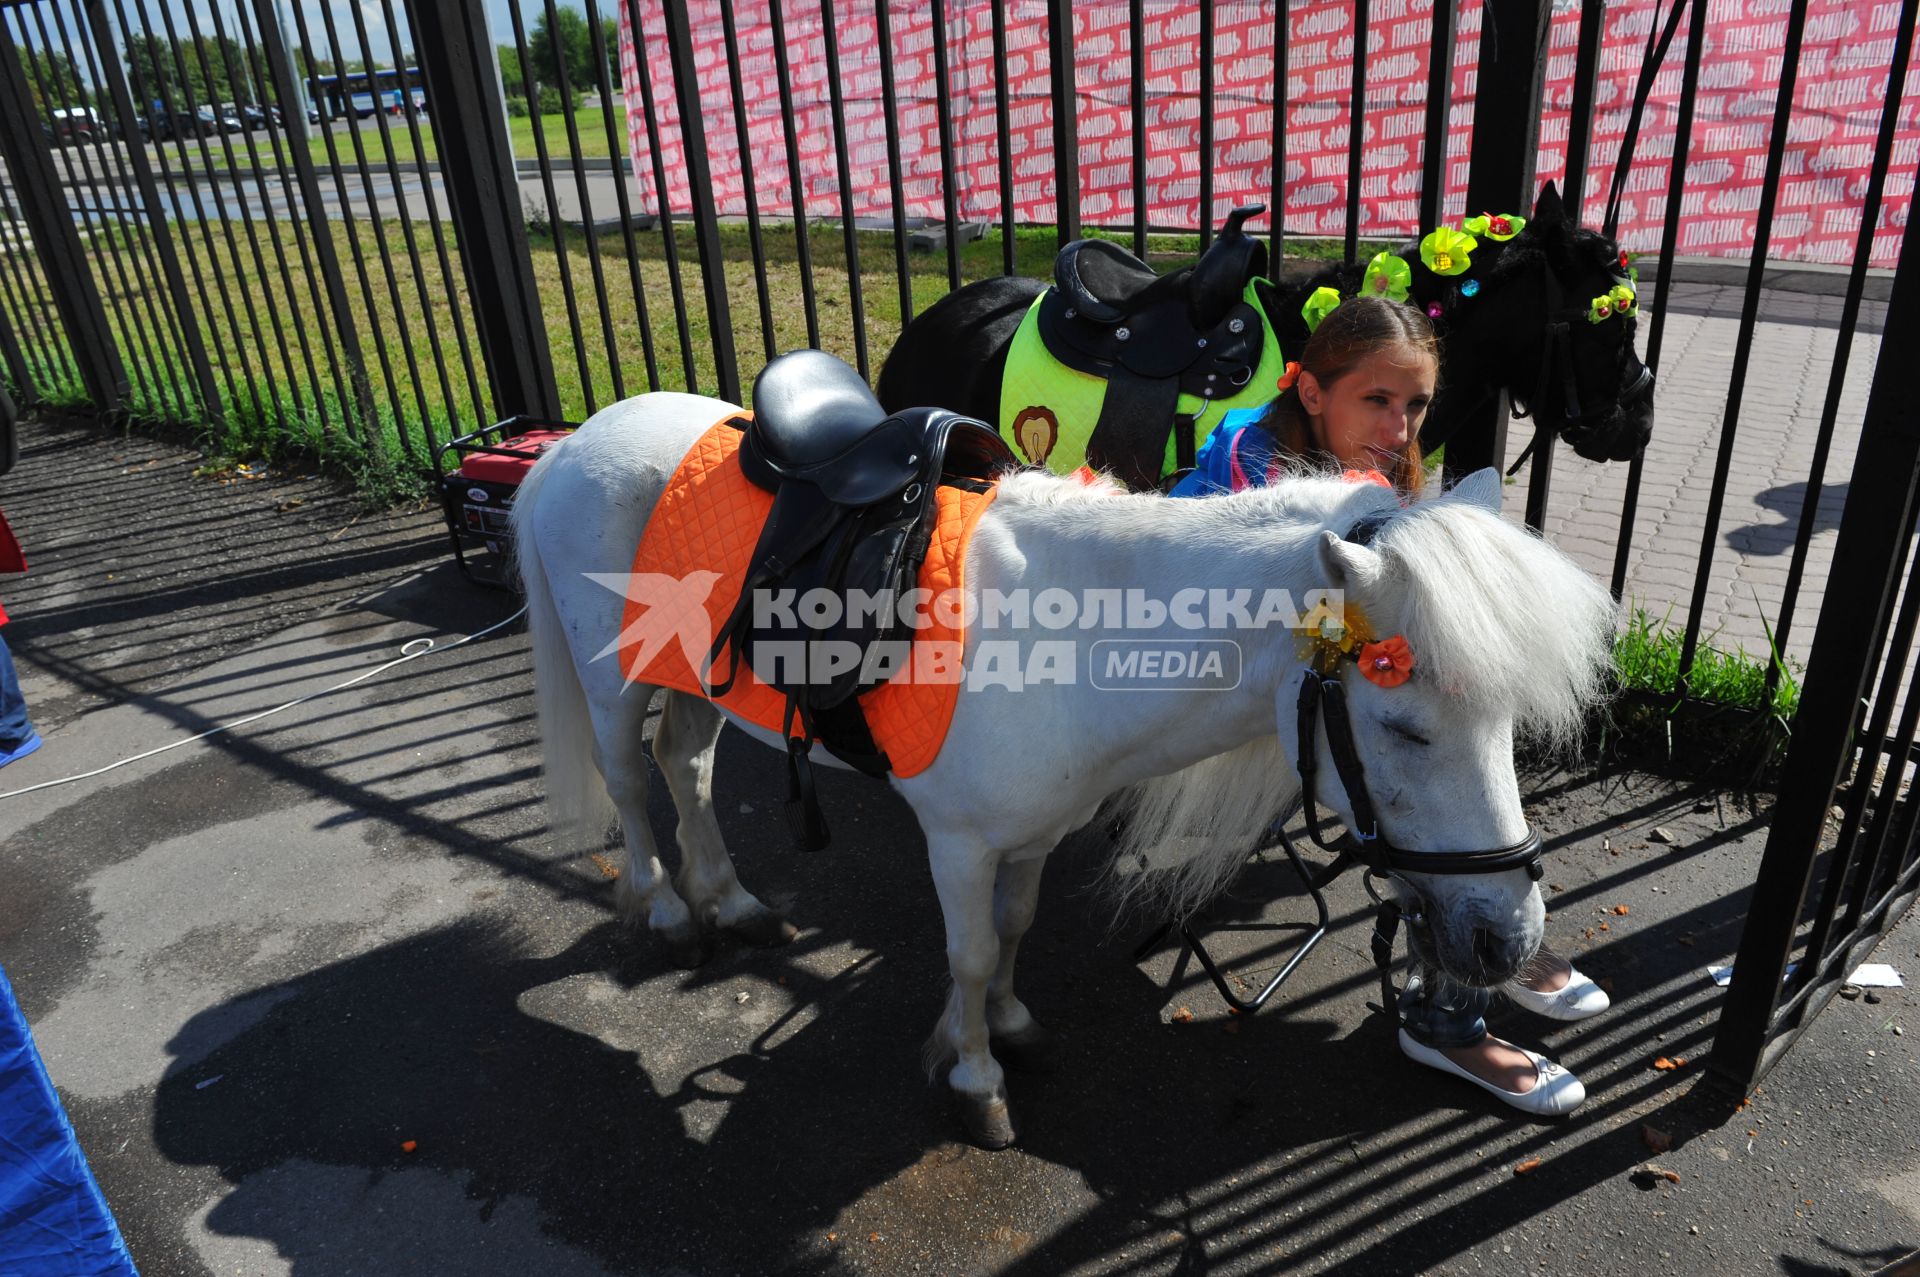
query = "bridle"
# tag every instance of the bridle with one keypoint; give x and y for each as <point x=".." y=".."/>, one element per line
<point x="1324" y="695"/>
<point x="1556" y="355"/>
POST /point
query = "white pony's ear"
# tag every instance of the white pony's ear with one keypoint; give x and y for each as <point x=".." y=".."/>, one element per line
<point x="1482" y="488"/>
<point x="1347" y="566"/>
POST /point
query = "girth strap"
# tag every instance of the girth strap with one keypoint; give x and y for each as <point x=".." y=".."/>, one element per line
<point x="1136" y="418"/>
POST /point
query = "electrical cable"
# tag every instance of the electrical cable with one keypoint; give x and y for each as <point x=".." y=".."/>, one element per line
<point x="407" y="653"/>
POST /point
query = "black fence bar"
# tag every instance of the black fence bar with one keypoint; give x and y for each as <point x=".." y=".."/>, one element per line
<point x="438" y="228"/>
<point x="1003" y="120"/>
<point x="1356" y="127"/>
<point x="943" y="113"/>
<point x="617" y="154"/>
<point x="587" y="230"/>
<point x="1843" y="339"/>
<point x="1137" y="115"/>
<point x="237" y="332"/>
<point x="669" y="241"/>
<point x="1872" y="538"/>
<point x="1663" y="287"/>
<point x="169" y="323"/>
<point x="250" y="50"/>
<point x="37" y="358"/>
<point x="1586" y="69"/>
<point x="1277" y="197"/>
<point x="706" y="219"/>
<point x="76" y="297"/>
<point x="1066" y="122"/>
<point x="251" y="230"/>
<point x="1506" y="130"/>
<point x="414" y="260"/>
<point x="99" y="214"/>
<point x="756" y="246"/>
<point x="402" y="330"/>
<point x="554" y="221"/>
<point x="1206" y="121"/>
<point x="1434" y="132"/>
<point x="340" y="322"/>
<point x="1869" y="747"/>
<point x="49" y="343"/>
<point x="837" y="110"/>
<point x="1749" y="318"/>
<point x="889" y="106"/>
<point x="796" y="180"/>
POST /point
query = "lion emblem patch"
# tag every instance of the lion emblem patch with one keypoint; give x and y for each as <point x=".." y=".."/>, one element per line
<point x="1035" y="432"/>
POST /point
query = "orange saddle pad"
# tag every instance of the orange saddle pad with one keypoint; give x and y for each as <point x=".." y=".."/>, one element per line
<point x="708" y="520"/>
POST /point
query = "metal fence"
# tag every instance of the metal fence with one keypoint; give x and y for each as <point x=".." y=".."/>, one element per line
<point x="195" y="250"/>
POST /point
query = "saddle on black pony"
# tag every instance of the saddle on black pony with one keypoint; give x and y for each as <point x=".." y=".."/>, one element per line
<point x="853" y="510"/>
<point x="1153" y="338"/>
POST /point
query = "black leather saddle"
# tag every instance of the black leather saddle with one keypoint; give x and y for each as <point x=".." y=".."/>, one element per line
<point x="853" y="512"/>
<point x="1154" y="337"/>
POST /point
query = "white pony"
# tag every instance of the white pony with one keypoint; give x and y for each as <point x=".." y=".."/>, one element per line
<point x="1509" y="637"/>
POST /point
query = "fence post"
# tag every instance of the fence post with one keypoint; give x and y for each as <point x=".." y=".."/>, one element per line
<point x="1506" y="131"/>
<point x="36" y="180"/>
<point x="706" y="219"/>
<point x="127" y="112"/>
<point x="1066" y="123"/>
<point x="1867" y="557"/>
<point x="477" y="171"/>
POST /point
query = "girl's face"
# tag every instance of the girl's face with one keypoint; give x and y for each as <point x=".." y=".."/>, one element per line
<point x="1367" y="418"/>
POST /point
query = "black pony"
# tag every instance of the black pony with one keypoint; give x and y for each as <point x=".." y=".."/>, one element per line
<point x="1518" y="321"/>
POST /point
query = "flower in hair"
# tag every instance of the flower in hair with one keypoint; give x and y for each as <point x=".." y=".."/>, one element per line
<point x="1601" y="310"/>
<point x="1389" y="276"/>
<point x="1446" y="251"/>
<point x="1499" y="227"/>
<point x="1387" y="663"/>
<point x="1289" y="376"/>
<point x="1624" y="299"/>
<point x="1322" y="303"/>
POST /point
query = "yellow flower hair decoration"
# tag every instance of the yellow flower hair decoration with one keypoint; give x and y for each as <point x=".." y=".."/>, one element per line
<point x="1389" y="276"/>
<point x="1316" y="308"/>
<point x="1446" y="251"/>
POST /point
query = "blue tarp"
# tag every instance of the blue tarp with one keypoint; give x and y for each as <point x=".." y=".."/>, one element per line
<point x="53" y="1220"/>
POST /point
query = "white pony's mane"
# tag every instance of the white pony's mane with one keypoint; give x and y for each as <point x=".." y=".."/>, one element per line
<point x="1500" y="621"/>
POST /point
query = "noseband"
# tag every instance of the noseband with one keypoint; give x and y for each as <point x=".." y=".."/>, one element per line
<point x="1323" y="695"/>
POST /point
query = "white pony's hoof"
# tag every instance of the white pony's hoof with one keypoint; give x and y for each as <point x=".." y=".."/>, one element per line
<point x="987" y="1119"/>
<point x="764" y="929"/>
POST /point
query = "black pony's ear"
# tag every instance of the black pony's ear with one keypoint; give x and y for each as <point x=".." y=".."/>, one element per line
<point x="1548" y="212"/>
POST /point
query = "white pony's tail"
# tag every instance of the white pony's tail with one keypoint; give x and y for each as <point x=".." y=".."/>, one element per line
<point x="579" y="811"/>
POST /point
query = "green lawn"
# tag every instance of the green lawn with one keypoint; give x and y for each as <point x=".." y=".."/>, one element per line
<point x="270" y="147"/>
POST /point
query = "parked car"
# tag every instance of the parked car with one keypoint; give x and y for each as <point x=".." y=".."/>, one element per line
<point x="75" y="124"/>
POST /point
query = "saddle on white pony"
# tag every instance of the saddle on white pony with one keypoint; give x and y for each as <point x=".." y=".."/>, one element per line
<point x="837" y="497"/>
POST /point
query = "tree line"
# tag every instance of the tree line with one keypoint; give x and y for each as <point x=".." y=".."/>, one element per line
<point x="208" y="70"/>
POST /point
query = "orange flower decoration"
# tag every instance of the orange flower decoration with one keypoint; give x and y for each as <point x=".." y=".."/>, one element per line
<point x="1366" y="476"/>
<point x="1387" y="663"/>
<point x="1289" y="375"/>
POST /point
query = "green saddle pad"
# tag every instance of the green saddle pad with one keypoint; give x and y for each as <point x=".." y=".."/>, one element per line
<point x="1048" y="411"/>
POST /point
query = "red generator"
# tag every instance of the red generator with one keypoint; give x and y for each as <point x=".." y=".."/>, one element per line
<point x="477" y="491"/>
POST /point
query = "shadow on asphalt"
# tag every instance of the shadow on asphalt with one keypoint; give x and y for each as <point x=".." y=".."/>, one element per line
<point x="1207" y="1144"/>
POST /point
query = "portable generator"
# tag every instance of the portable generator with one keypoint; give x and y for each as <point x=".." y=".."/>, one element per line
<point x="477" y="490"/>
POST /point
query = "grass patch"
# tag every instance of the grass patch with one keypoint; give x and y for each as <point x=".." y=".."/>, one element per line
<point x="1723" y="722"/>
<point x="269" y="147"/>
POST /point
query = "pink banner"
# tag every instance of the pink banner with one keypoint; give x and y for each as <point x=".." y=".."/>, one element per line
<point x="1847" y="50"/>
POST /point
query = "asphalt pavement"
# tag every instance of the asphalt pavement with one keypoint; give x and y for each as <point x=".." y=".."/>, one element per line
<point x="322" y="998"/>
